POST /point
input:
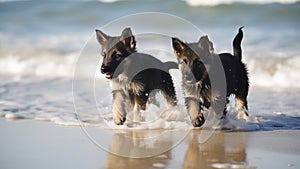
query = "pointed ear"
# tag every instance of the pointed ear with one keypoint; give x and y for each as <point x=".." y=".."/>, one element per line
<point x="178" y="46"/>
<point x="101" y="37"/>
<point x="205" y="44"/>
<point x="128" y="39"/>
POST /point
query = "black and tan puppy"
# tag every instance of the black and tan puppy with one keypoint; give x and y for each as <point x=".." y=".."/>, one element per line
<point x="195" y="60"/>
<point x="133" y="76"/>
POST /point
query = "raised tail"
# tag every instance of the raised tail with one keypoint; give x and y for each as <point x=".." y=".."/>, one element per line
<point x="237" y="50"/>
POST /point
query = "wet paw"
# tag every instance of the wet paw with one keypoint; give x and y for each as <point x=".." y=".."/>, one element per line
<point x="119" y="120"/>
<point x="198" y="121"/>
<point x="242" y="114"/>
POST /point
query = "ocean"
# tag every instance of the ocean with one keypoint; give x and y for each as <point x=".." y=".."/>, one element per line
<point x="49" y="57"/>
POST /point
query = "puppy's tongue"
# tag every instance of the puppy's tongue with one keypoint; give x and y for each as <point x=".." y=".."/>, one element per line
<point x="189" y="81"/>
<point x="108" y="75"/>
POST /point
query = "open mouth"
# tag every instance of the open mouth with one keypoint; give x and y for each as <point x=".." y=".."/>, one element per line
<point x="108" y="75"/>
<point x="188" y="79"/>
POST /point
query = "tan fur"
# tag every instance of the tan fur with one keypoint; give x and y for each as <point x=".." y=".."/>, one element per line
<point x="193" y="109"/>
<point x="132" y="75"/>
<point x="196" y="60"/>
<point x="136" y="87"/>
<point x="136" y="112"/>
<point x="121" y="87"/>
<point x="118" y="108"/>
<point x="242" y="114"/>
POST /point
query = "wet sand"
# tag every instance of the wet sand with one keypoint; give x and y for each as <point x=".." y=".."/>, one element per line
<point x="35" y="144"/>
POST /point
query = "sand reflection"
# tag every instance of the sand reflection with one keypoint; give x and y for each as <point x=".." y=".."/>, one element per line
<point x="126" y="148"/>
<point x="222" y="150"/>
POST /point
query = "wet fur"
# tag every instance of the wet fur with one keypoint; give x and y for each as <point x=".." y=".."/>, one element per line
<point x="194" y="61"/>
<point x="130" y="86"/>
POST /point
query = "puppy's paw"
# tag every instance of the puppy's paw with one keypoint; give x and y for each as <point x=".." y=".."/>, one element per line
<point x="242" y="114"/>
<point x="198" y="121"/>
<point x="119" y="120"/>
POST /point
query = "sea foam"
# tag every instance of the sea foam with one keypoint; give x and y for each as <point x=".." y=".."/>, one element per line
<point x="220" y="2"/>
<point x="263" y="71"/>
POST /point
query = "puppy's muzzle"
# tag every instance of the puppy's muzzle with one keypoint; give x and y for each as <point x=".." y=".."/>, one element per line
<point x="107" y="71"/>
<point x="189" y="78"/>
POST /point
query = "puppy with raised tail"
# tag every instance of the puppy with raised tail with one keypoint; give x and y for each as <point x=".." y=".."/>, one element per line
<point x="194" y="61"/>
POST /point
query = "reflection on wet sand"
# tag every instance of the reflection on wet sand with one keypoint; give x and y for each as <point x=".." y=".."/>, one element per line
<point x="221" y="150"/>
<point x="114" y="161"/>
<point x="153" y="145"/>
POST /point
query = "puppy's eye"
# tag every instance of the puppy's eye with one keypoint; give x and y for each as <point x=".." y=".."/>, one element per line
<point x="116" y="55"/>
<point x="103" y="54"/>
<point x="185" y="61"/>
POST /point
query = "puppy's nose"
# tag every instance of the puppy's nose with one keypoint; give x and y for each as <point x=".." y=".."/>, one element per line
<point x="104" y="69"/>
<point x="189" y="78"/>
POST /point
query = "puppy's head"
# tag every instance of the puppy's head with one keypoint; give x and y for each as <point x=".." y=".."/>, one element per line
<point x="191" y="58"/>
<point x="115" y="50"/>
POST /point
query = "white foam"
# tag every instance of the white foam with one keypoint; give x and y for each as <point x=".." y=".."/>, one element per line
<point x="52" y="100"/>
<point x="11" y="0"/>
<point x="48" y="65"/>
<point x="220" y="2"/>
<point x="264" y="72"/>
<point x="154" y="118"/>
<point x="55" y="56"/>
<point x="109" y="1"/>
<point x="274" y="72"/>
<point x="43" y="55"/>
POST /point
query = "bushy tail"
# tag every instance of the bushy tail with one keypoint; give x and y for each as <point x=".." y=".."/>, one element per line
<point x="237" y="50"/>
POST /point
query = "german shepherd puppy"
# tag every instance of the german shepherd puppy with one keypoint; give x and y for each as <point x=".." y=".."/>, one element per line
<point x="133" y="76"/>
<point x="194" y="60"/>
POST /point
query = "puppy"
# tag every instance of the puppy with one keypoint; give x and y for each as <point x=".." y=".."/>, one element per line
<point x="133" y="76"/>
<point x="195" y="60"/>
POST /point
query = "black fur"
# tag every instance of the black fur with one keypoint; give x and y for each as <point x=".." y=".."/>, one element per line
<point x="120" y="61"/>
<point x="194" y="60"/>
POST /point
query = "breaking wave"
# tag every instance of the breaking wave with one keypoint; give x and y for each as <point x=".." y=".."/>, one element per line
<point x="222" y="2"/>
<point x="263" y="71"/>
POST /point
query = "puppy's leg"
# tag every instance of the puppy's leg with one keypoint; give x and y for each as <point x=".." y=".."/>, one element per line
<point x="168" y="91"/>
<point x="170" y="97"/>
<point x="225" y="108"/>
<point x="118" y="107"/>
<point x="152" y="99"/>
<point x="193" y="108"/>
<point x="241" y="106"/>
<point x="136" y="112"/>
<point x="242" y="93"/>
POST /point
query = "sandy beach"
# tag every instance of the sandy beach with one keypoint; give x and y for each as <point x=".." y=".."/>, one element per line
<point x="34" y="144"/>
<point x="51" y="85"/>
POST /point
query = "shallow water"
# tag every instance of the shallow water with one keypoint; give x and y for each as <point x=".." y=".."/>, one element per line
<point x="51" y="99"/>
<point x="41" y="43"/>
<point x="45" y="40"/>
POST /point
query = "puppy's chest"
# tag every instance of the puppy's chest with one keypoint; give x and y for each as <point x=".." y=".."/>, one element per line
<point x="197" y="92"/>
<point x="122" y="83"/>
